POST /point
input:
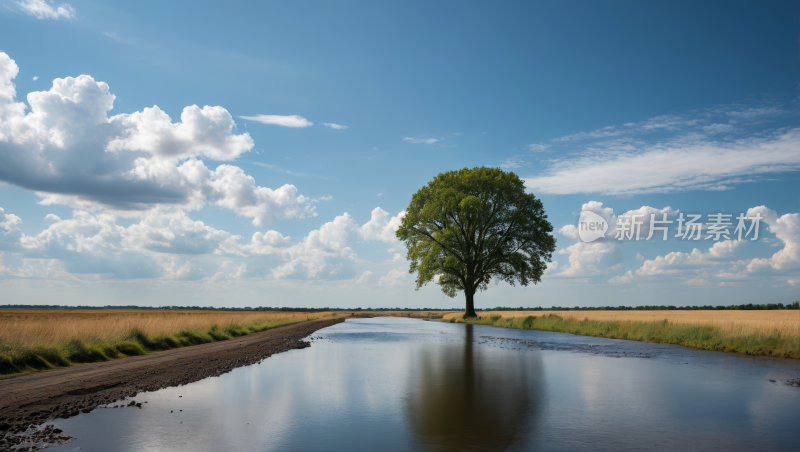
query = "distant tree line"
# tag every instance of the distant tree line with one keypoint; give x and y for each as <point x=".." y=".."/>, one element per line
<point x="211" y="308"/>
<point x="743" y="307"/>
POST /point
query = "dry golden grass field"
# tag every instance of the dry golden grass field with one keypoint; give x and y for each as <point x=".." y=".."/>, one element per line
<point x="20" y="328"/>
<point x="69" y="332"/>
<point x="38" y="339"/>
<point x="41" y="339"/>
<point x="768" y="333"/>
<point x="734" y="323"/>
<point x="411" y="314"/>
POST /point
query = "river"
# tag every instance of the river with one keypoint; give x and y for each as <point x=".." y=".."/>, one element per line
<point x="405" y="384"/>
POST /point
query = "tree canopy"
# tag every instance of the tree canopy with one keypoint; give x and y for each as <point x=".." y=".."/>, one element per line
<point x="467" y="227"/>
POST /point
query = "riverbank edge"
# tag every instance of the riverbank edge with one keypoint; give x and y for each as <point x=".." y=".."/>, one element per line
<point x="34" y="399"/>
<point x="697" y="336"/>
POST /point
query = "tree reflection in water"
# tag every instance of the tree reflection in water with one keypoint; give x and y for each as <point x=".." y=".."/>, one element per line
<point x="475" y="398"/>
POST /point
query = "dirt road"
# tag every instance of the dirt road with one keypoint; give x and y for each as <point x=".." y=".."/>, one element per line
<point x="37" y="398"/>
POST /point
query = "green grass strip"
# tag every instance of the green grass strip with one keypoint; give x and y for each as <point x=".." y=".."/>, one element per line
<point x="703" y="337"/>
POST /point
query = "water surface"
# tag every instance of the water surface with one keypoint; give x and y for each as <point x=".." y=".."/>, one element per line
<point x="405" y="384"/>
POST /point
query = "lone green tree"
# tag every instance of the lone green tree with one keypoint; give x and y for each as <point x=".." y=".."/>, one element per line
<point x="470" y="226"/>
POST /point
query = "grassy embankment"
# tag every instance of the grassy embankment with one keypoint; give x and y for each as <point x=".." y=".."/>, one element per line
<point x="33" y="340"/>
<point x="765" y="333"/>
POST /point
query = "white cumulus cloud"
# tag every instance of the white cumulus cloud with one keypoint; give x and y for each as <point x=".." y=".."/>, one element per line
<point x="41" y="10"/>
<point x="70" y="152"/>
<point x="166" y="243"/>
<point x="381" y="226"/>
<point x="203" y="131"/>
<point x="786" y="229"/>
<point x="590" y="259"/>
<point x="10" y="233"/>
<point x="694" y="267"/>
<point x="393" y="278"/>
<point x="625" y="278"/>
<point x="677" y="263"/>
<point x="323" y="254"/>
<point x="626" y="225"/>
<point x="605" y="255"/>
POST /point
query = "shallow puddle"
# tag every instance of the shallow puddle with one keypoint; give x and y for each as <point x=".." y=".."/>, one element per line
<point x="403" y="384"/>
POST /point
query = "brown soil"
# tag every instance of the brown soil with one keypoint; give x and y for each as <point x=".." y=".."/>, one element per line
<point x="37" y="398"/>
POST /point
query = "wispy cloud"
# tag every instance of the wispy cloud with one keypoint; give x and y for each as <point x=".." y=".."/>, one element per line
<point x="41" y="10"/>
<point x="705" y="151"/>
<point x="293" y="121"/>
<point x="709" y="120"/>
<point x="35" y="77"/>
<point x="321" y="199"/>
<point x="714" y="129"/>
<point x="115" y="37"/>
<point x="515" y="162"/>
<point x="335" y="126"/>
<point x="751" y="113"/>
<point x="610" y="131"/>
<point x="283" y="170"/>
<point x="539" y="147"/>
<point x="420" y="140"/>
<point x="691" y="164"/>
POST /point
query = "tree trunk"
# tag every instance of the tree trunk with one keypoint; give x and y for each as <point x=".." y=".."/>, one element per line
<point x="470" y="311"/>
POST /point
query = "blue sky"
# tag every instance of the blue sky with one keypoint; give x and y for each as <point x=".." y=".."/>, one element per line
<point x="193" y="154"/>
